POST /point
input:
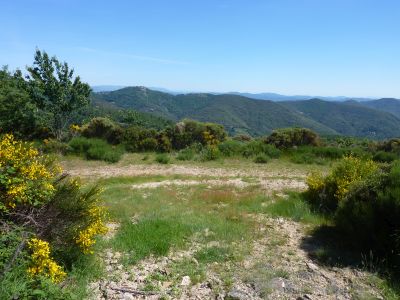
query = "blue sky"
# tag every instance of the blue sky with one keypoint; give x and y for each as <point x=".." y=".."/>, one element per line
<point x="314" y="47"/>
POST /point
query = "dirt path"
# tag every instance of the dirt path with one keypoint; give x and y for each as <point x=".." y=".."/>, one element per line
<point x="268" y="185"/>
<point x="143" y="170"/>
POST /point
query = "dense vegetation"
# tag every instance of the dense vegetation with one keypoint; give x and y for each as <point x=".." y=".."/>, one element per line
<point x="243" y="115"/>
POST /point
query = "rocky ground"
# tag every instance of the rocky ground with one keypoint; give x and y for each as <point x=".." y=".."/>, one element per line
<point x="278" y="266"/>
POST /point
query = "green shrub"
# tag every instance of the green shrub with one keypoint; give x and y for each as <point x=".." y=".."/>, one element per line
<point x="79" y="145"/>
<point x="370" y="214"/>
<point x="162" y="158"/>
<point x="186" y="154"/>
<point x="163" y="143"/>
<point x="148" y="144"/>
<point x="96" y="149"/>
<point x="230" y="148"/>
<point x="242" y="138"/>
<point x="256" y="147"/>
<point x="45" y="236"/>
<point x="209" y="153"/>
<point x="262" y="159"/>
<point x="385" y="157"/>
<point x="289" y="137"/>
<point x="103" y="128"/>
<point x="305" y="158"/>
<point x="328" y="152"/>
<point x="327" y="192"/>
<point x="392" y="145"/>
<point x="187" y="132"/>
<point x="134" y="136"/>
<point x="54" y="146"/>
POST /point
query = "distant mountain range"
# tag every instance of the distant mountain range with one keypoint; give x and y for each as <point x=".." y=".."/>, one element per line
<point x="239" y="114"/>
<point x="258" y="96"/>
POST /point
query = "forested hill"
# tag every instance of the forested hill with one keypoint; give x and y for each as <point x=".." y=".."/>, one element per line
<point x="244" y="115"/>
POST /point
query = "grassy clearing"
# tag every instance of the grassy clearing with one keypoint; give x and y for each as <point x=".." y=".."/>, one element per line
<point x="156" y="220"/>
<point x="297" y="209"/>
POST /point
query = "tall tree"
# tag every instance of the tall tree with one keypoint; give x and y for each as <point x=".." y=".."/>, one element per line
<point x="55" y="90"/>
<point x="18" y="114"/>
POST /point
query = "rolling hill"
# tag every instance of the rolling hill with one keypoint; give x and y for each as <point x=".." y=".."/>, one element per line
<point x="390" y="105"/>
<point x="351" y="119"/>
<point x="244" y="115"/>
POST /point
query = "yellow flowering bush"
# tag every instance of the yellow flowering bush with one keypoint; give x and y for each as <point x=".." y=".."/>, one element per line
<point x="328" y="191"/>
<point x="26" y="177"/>
<point x="209" y="138"/>
<point x="86" y="236"/>
<point x="42" y="263"/>
<point x="75" y="128"/>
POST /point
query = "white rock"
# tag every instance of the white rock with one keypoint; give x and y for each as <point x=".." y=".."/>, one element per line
<point x="185" y="281"/>
<point x="128" y="296"/>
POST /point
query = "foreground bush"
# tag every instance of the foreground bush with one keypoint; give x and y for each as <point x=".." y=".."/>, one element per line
<point x="327" y="192"/>
<point x="48" y="221"/>
<point x="364" y="201"/>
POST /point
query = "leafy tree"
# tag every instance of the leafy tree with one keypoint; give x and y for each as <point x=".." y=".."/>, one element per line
<point x="55" y="90"/>
<point x="18" y="114"/>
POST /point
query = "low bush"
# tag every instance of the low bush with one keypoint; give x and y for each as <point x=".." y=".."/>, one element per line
<point x="96" y="149"/>
<point x="306" y="158"/>
<point x="186" y="154"/>
<point x="328" y="152"/>
<point x="54" y="146"/>
<point x="103" y="128"/>
<point x="392" y="145"/>
<point x="230" y="148"/>
<point x="163" y="158"/>
<point x="148" y="144"/>
<point x="210" y="153"/>
<point x="385" y="157"/>
<point x="364" y="200"/>
<point x="327" y="192"/>
<point x="262" y="159"/>
<point x="257" y="147"/>
<point x="48" y="222"/>
<point x="289" y="137"/>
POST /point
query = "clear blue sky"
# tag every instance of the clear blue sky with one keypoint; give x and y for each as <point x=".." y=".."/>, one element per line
<point x="315" y="47"/>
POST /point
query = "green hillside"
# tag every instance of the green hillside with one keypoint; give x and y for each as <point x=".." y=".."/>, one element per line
<point x="390" y="105"/>
<point x="348" y="118"/>
<point x="238" y="114"/>
<point x="257" y="117"/>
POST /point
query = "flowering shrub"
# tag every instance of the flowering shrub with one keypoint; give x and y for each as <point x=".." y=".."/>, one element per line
<point x="41" y="262"/>
<point x="26" y="177"/>
<point x="62" y="215"/>
<point x="328" y="191"/>
<point x="85" y="239"/>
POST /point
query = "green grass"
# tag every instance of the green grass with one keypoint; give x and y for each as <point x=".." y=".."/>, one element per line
<point x="214" y="254"/>
<point x="295" y="208"/>
<point x="150" y="236"/>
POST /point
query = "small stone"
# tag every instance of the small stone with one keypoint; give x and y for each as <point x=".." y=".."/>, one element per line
<point x="195" y="261"/>
<point x="312" y="266"/>
<point x="128" y="296"/>
<point x="185" y="281"/>
<point x="237" y="295"/>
